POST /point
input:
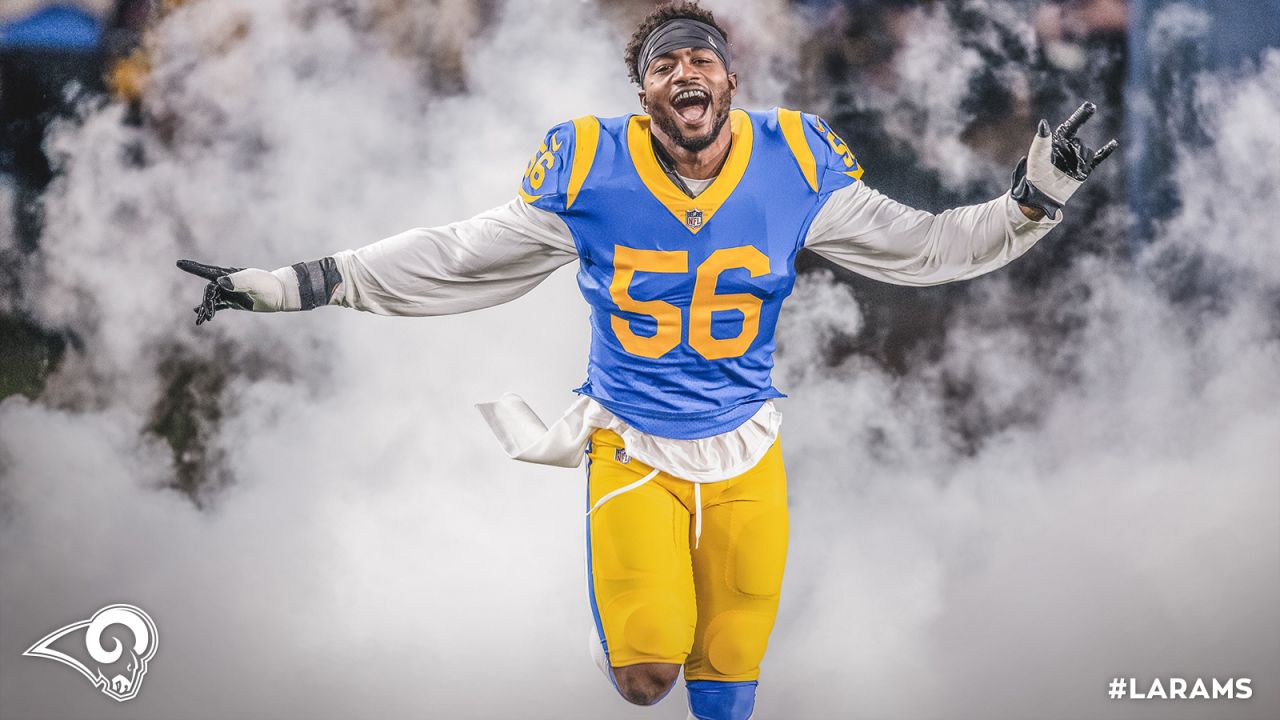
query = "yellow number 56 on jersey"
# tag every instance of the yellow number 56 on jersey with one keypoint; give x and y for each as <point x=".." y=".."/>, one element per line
<point x="669" y="318"/>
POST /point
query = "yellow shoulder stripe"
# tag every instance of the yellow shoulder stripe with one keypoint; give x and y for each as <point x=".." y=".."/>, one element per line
<point x="586" y="134"/>
<point x="793" y="130"/>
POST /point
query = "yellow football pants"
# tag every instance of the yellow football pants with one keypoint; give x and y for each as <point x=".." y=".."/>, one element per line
<point x="654" y="596"/>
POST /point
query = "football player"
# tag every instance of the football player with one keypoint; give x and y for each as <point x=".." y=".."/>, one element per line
<point x="685" y="221"/>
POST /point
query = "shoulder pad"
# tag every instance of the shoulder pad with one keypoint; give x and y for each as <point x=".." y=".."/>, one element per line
<point x="825" y="160"/>
<point x="557" y="170"/>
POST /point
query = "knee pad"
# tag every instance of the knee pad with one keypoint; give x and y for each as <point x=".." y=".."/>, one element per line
<point x="734" y="644"/>
<point x="716" y="700"/>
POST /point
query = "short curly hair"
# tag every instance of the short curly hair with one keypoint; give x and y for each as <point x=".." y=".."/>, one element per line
<point x="663" y="13"/>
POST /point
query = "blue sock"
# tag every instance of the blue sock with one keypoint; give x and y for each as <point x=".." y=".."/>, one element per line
<point x="715" y="700"/>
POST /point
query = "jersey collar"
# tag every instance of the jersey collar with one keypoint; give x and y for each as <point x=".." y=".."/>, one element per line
<point x="694" y="213"/>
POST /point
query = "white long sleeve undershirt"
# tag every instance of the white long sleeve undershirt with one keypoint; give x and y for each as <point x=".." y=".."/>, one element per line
<point x="503" y="253"/>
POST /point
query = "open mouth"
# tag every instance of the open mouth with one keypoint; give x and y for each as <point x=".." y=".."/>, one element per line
<point x="691" y="105"/>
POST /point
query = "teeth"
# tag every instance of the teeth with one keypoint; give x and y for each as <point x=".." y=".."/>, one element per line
<point x="687" y="94"/>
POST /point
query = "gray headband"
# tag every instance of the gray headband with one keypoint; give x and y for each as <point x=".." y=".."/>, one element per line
<point x="679" y="34"/>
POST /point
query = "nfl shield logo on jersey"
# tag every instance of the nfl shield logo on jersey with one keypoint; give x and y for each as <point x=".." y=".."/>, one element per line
<point x="693" y="218"/>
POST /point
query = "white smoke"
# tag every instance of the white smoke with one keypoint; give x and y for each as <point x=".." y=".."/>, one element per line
<point x="375" y="549"/>
<point x="376" y="553"/>
<point x="1128" y="526"/>
<point x="923" y="108"/>
<point x="933" y="70"/>
<point x="764" y="35"/>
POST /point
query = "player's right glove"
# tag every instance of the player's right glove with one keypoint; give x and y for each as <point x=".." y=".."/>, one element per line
<point x="1057" y="164"/>
<point x="303" y="286"/>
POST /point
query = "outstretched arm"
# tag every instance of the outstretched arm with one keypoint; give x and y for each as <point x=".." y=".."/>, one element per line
<point x="487" y="260"/>
<point x="490" y="259"/>
<point x="493" y="258"/>
<point x="862" y="230"/>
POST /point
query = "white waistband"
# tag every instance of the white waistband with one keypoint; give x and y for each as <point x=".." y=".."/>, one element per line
<point x="524" y="437"/>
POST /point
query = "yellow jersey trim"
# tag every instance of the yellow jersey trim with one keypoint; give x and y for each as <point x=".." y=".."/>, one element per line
<point x="586" y="133"/>
<point x="694" y="213"/>
<point x="531" y="199"/>
<point x="793" y="130"/>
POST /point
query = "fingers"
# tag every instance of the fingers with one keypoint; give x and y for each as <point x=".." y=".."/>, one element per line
<point x="1069" y="127"/>
<point x="1103" y="153"/>
<point x="206" y="309"/>
<point x="1041" y="144"/>
<point x="208" y="272"/>
<point x="211" y="305"/>
<point x="218" y="294"/>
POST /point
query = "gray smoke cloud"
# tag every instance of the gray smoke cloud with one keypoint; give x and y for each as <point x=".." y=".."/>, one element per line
<point x="373" y="551"/>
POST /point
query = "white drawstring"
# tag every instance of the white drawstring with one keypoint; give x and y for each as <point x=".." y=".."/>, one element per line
<point x="697" y="514"/>
<point x="625" y="488"/>
<point x="697" y="503"/>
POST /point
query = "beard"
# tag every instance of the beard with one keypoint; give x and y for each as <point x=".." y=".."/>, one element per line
<point x="665" y="117"/>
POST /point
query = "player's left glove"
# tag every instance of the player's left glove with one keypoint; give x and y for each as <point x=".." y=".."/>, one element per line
<point x="1057" y="164"/>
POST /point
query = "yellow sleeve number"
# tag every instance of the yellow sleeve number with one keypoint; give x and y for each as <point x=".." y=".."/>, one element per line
<point x="629" y="261"/>
<point x="837" y="145"/>
<point x="541" y="162"/>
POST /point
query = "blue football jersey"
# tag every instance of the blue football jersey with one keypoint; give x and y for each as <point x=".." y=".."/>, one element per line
<point x="685" y="292"/>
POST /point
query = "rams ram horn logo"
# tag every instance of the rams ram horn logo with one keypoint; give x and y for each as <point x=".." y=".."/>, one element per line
<point x="117" y="671"/>
<point x="693" y="218"/>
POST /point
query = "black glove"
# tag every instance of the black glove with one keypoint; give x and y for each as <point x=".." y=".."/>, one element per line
<point x="1057" y="164"/>
<point x="218" y="294"/>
